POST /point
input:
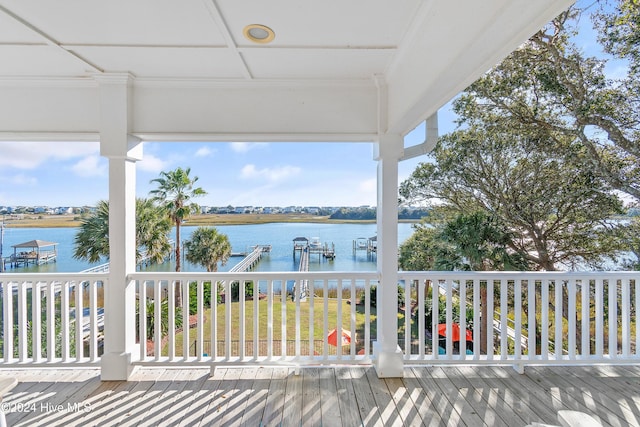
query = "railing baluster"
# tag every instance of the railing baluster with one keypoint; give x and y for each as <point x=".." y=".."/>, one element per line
<point x="599" y="313"/>
<point x="79" y="321"/>
<point x="283" y="318"/>
<point x="142" y="317"/>
<point x="172" y="319"/>
<point x="325" y="318"/>
<point x="51" y="321"/>
<point x="407" y="318"/>
<point x="7" y="305"/>
<point x="613" y="317"/>
<point x="585" y="316"/>
<point x="256" y="319"/>
<point x="297" y="317"/>
<point x="544" y="314"/>
<point x="241" y="318"/>
<point x="504" y="319"/>
<point x="571" y="288"/>
<point x="339" y="321"/>
<point x="22" y="322"/>
<point x="311" y="291"/>
<point x="270" y="318"/>
<point x="476" y="319"/>
<point x="227" y="320"/>
<point x="214" y="320"/>
<point x="636" y="309"/>
<point x="490" y="318"/>
<point x="531" y="318"/>
<point x="157" y="313"/>
<point x="367" y="317"/>
<point x="463" y="318"/>
<point x="517" y="318"/>
<point x="420" y="320"/>
<point x="64" y="319"/>
<point x="352" y="349"/>
<point x="435" y="316"/>
<point x="625" y="318"/>
<point x="558" y="318"/>
<point x="185" y="318"/>
<point x="93" y="319"/>
<point x="36" y="320"/>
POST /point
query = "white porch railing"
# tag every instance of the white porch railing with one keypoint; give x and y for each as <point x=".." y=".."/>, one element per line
<point x="272" y="326"/>
<point x="51" y="319"/>
<point x="566" y="317"/>
<point x="556" y="317"/>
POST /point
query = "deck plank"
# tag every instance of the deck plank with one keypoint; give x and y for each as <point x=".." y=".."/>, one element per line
<point x="430" y="413"/>
<point x="257" y="401"/>
<point x="400" y="393"/>
<point x="384" y="400"/>
<point x="483" y="400"/>
<point x="239" y="396"/>
<point x="292" y="411"/>
<point x="511" y="399"/>
<point x="201" y="406"/>
<point x="538" y="397"/>
<point x="328" y="396"/>
<point x="349" y="409"/>
<point x="367" y="406"/>
<point x="311" y="405"/>
<point x="188" y="380"/>
<point x="577" y="396"/>
<point x="274" y="405"/>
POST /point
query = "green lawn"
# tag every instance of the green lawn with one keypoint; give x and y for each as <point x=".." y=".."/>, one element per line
<point x="290" y="323"/>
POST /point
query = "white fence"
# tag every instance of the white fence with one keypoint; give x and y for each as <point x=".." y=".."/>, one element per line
<point x="51" y="319"/>
<point x="269" y="324"/>
<point x="557" y="317"/>
<point x="535" y="318"/>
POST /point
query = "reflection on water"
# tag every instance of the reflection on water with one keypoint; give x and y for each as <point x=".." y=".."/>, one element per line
<point x="242" y="237"/>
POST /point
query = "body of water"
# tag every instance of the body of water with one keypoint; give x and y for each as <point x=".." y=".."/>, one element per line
<point x="242" y="237"/>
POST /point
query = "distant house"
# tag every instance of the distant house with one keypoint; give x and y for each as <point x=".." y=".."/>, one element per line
<point x="64" y="210"/>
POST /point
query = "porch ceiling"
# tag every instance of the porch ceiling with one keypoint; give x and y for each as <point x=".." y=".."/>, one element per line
<point x="195" y="73"/>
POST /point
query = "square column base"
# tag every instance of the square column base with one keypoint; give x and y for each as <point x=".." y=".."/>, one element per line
<point x="388" y="364"/>
<point x="116" y="367"/>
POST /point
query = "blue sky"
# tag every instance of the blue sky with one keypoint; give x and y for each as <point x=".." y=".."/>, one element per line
<point x="258" y="174"/>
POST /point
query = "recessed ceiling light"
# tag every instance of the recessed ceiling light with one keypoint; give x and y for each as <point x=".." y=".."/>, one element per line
<point x="259" y="33"/>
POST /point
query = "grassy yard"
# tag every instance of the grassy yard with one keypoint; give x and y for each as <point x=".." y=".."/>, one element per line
<point x="290" y="323"/>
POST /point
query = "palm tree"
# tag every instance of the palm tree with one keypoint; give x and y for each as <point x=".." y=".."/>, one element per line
<point x="174" y="193"/>
<point x="152" y="228"/>
<point x="207" y="247"/>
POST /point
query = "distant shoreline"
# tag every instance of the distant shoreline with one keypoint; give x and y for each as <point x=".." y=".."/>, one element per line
<point x="61" y="221"/>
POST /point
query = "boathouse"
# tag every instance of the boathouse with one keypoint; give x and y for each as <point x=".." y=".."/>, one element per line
<point x="34" y="252"/>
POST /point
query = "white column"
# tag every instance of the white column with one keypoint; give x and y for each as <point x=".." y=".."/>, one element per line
<point x="387" y="354"/>
<point x="119" y="293"/>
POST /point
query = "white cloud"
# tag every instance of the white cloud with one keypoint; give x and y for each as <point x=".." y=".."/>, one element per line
<point x="243" y="147"/>
<point x="30" y="155"/>
<point x="19" y="179"/>
<point x="151" y="163"/>
<point x="90" y="166"/>
<point x="250" y="171"/>
<point x="204" y="152"/>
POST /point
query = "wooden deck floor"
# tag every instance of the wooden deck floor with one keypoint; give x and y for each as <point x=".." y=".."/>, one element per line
<point x="341" y="396"/>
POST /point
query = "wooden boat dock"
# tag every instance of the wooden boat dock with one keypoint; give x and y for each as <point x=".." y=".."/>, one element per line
<point x="251" y="259"/>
